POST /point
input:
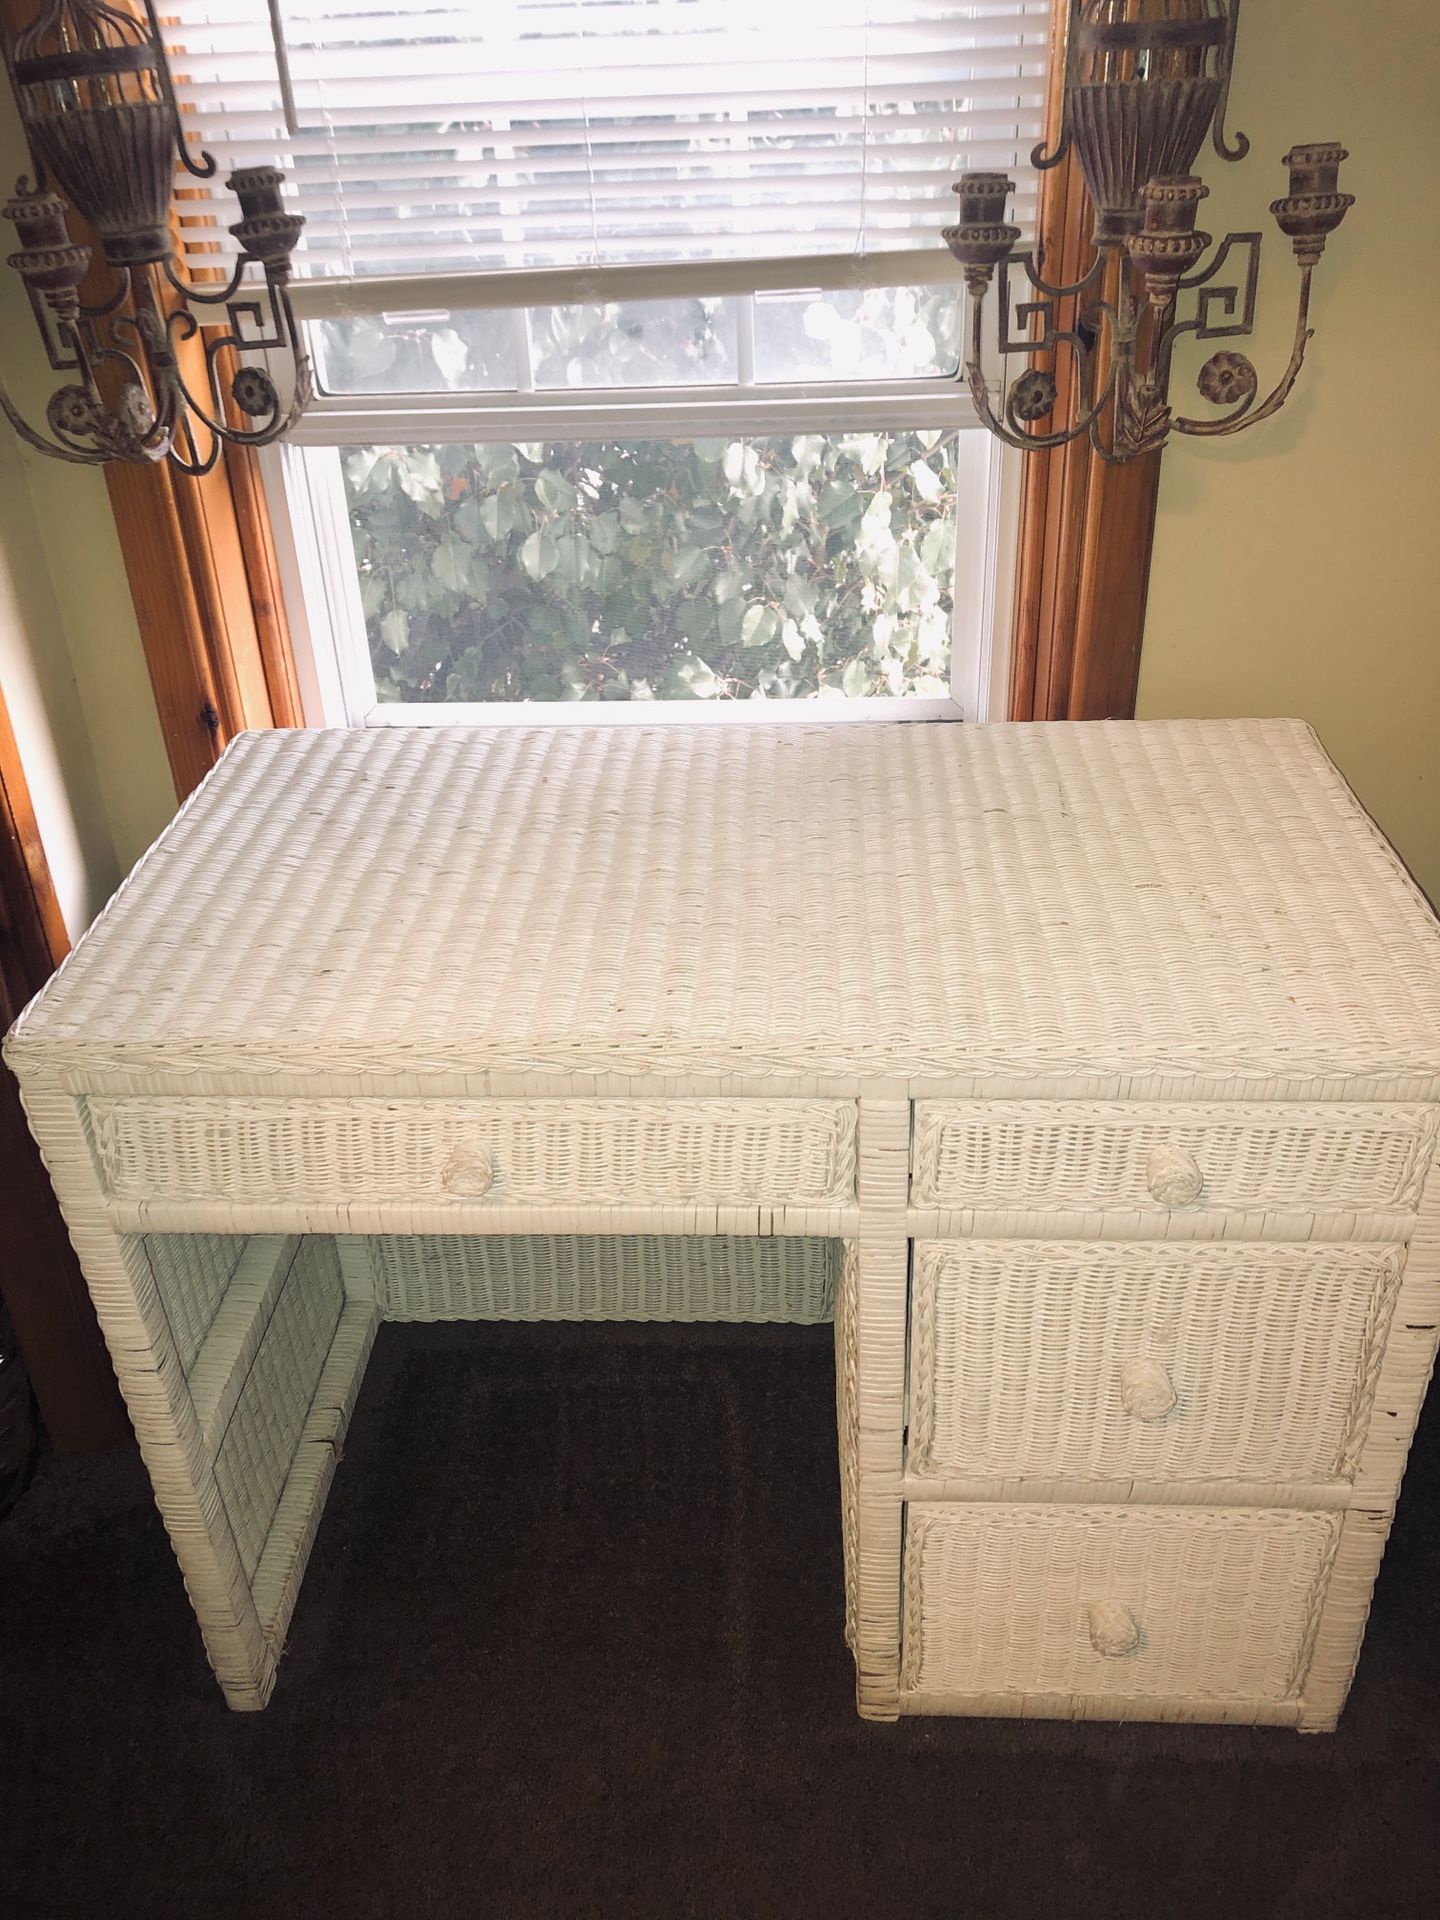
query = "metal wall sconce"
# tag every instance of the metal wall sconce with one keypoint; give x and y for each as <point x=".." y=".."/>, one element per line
<point x="1145" y="82"/>
<point x="98" y="107"/>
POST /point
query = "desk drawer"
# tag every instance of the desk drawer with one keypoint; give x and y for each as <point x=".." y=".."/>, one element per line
<point x="1059" y="1605"/>
<point x="1156" y="1157"/>
<point x="518" y="1152"/>
<point x="1093" y="1360"/>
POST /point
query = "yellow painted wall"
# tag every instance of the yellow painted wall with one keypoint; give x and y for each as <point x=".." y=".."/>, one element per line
<point x="1297" y="568"/>
<point x="43" y="702"/>
<point x="71" y="663"/>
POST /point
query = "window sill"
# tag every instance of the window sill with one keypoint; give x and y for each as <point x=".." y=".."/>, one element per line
<point x="656" y="713"/>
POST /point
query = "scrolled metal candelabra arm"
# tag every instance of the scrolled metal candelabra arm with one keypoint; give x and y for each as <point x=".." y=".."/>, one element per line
<point x="1159" y="289"/>
<point x="201" y="295"/>
<point x="124" y="278"/>
<point x="1247" y="413"/>
<point x="1026" y="259"/>
<point x="37" y="440"/>
<point x="86" y="428"/>
<point x="1225" y="60"/>
<point x="1223" y="309"/>
<point x="248" y="388"/>
<point x="204" y="168"/>
<point x="1032" y="395"/>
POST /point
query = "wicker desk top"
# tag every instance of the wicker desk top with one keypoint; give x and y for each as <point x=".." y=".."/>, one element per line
<point x="1153" y="898"/>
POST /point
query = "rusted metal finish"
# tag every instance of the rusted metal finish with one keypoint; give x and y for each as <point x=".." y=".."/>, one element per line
<point x="1145" y="82"/>
<point x="1169" y="245"/>
<point x="980" y="239"/>
<point x="1313" y="208"/>
<point x="98" y="107"/>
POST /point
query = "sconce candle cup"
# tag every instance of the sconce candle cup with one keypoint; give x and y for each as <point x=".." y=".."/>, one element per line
<point x="981" y="239"/>
<point x="1314" y="206"/>
<point x="48" y="262"/>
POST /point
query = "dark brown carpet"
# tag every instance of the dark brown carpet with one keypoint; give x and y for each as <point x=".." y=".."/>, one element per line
<point x="570" y="1645"/>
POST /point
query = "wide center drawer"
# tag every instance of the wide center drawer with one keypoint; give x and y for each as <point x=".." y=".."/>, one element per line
<point x="1157" y="1157"/>
<point x="1091" y="1360"/>
<point x="517" y="1152"/>
<point x="1062" y="1605"/>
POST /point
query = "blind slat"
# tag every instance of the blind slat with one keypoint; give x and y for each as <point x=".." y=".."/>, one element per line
<point x="557" y="133"/>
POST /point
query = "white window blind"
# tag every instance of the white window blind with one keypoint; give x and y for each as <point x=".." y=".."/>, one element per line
<point x="423" y="137"/>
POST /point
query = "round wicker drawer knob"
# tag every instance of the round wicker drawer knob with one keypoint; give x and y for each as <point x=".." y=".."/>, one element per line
<point x="467" y="1173"/>
<point x="1174" y="1177"/>
<point x="1114" y="1630"/>
<point x="1146" y="1389"/>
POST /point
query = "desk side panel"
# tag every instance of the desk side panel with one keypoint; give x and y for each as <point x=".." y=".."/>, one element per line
<point x="240" y="1401"/>
<point x="152" y="1378"/>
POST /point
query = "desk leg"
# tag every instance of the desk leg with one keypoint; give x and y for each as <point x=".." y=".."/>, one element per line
<point x="289" y="1330"/>
<point x="870" y="1390"/>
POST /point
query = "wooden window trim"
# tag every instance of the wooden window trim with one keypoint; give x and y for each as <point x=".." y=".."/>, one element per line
<point x="1086" y="528"/>
<point x="201" y="566"/>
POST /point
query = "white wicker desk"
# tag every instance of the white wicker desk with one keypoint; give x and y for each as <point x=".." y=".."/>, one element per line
<point x="1131" y="1033"/>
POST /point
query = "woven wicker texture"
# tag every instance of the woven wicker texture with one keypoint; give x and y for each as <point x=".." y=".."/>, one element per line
<point x="603" y="1277"/>
<point x="847" y="1426"/>
<point x="317" y="1452"/>
<point x="223" y="1369"/>
<point x="908" y="900"/>
<point x="1221" y="1606"/>
<point x="255" y="1456"/>
<point x="192" y="1271"/>
<point x="605" y="1152"/>
<point x="1088" y="1360"/>
<point x="1105" y="1154"/>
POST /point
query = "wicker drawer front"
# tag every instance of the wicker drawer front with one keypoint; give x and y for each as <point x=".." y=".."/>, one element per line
<point x="1091" y="1360"/>
<point x="522" y="1152"/>
<point x="1146" y="1603"/>
<point x="256" y="1451"/>
<point x="1157" y="1157"/>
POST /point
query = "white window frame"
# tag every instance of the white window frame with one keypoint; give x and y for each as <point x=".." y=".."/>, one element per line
<point x="308" y="506"/>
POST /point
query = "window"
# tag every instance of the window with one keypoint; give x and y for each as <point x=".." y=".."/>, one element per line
<point x="637" y="351"/>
